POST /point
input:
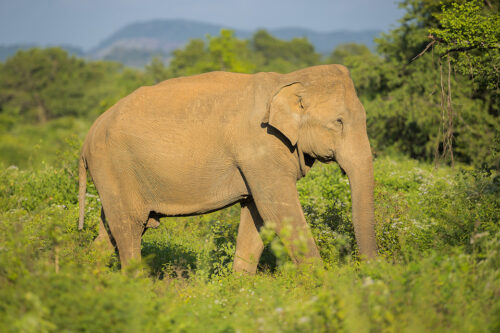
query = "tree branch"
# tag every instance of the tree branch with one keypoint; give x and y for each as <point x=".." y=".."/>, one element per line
<point x="462" y="49"/>
<point x="422" y="53"/>
<point x="458" y="49"/>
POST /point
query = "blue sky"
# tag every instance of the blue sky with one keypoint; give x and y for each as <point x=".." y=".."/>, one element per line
<point x="86" y="22"/>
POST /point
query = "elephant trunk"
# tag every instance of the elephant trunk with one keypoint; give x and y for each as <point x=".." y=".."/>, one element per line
<point x="359" y="170"/>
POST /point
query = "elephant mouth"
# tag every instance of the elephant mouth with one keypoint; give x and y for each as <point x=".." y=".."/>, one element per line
<point x="331" y="159"/>
<point x="327" y="159"/>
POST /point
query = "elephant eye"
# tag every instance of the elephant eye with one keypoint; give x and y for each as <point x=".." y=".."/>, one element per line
<point x="336" y="125"/>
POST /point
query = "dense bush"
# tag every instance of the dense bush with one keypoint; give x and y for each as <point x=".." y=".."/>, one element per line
<point x="38" y="85"/>
<point x="438" y="232"/>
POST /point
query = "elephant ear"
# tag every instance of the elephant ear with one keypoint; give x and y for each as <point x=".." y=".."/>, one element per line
<point x="284" y="111"/>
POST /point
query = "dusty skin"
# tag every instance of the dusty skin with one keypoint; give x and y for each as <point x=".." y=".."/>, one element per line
<point x="196" y="144"/>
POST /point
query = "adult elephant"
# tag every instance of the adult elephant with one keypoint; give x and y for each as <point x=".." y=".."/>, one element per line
<point x="196" y="144"/>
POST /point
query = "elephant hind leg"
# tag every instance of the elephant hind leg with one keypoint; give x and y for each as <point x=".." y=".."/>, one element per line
<point x="124" y="210"/>
<point x="249" y="245"/>
<point x="127" y="234"/>
<point x="126" y="231"/>
<point x="104" y="239"/>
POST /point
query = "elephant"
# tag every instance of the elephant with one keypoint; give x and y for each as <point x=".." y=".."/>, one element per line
<point x="197" y="144"/>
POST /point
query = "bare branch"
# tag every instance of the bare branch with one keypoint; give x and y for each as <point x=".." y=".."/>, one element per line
<point x="422" y="53"/>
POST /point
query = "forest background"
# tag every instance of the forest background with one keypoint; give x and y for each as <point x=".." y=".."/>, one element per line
<point x="431" y="91"/>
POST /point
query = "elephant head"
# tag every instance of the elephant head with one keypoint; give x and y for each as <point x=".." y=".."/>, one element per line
<point x="318" y="111"/>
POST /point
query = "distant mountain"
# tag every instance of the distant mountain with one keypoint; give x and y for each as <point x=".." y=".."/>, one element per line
<point x="325" y="42"/>
<point x="7" y="51"/>
<point x="136" y="43"/>
<point x="165" y="35"/>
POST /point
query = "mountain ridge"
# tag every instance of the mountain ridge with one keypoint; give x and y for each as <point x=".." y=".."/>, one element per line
<point x="136" y="43"/>
<point x="161" y="36"/>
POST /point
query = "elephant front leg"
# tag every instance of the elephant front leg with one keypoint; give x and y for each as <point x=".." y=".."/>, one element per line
<point x="249" y="244"/>
<point x="280" y="209"/>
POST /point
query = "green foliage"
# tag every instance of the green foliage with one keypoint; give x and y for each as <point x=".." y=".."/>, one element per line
<point x="326" y="201"/>
<point x="157" y="70"/>
<point x="405" y="101"/>
<point x="470" y="33"/>
<point x="31" y="145"/>
<point x="438" y="233"/>
<point x="48" y="98"/>
<point x="224" y="52"/>
<point x="275" y="55"/>
<point x="224" y="230"/>
<point x="262" y="52"/>
<point x="343" y="51"/>
<point x="39" y="85"/>
<point x="184" y="61"/>
<point x="37" y="82"/>
<point x="227" y="53"/>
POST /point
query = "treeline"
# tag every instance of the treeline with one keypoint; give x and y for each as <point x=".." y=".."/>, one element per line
<point x="441" y="106"/>
<point x="38" y="85"/>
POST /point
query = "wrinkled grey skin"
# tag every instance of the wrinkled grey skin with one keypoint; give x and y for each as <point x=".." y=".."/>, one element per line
<point x="197" y="144"/>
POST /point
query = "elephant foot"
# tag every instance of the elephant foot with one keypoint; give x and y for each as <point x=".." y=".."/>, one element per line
<point x="244" y="266"/>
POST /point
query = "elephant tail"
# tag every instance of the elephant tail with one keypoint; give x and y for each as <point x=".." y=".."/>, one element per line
<point x="82" y="180"/>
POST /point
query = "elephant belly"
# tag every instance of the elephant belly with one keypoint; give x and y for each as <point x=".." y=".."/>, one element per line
<point x="193" y="194"/>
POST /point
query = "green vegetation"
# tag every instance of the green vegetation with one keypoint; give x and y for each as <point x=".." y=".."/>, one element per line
<point x="469" y="34"/>
<point x="438" y="229"/>
<point x="406" y="101"/>
<point x="437" y="233"/>
<point x="441" y="108"/>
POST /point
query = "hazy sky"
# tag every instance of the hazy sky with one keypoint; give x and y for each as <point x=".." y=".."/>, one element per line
<point x="86" y="22"/>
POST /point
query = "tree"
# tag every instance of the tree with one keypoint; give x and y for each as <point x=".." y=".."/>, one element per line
<point x="224" y="52"/>
<point x="38" y="85"/>
<point x="467" y="39"/>
<point x="42" y="84"/>
<point x="190" y="59"/>
<point x="404" y="99"/>
<point x="273" y="54"/>
<point x="262" y="52"/>
<point x="228" y="53"/>
<point x="469" y="36"/>
<point x="156" y="71"/>
<point x="343" y="51"/>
